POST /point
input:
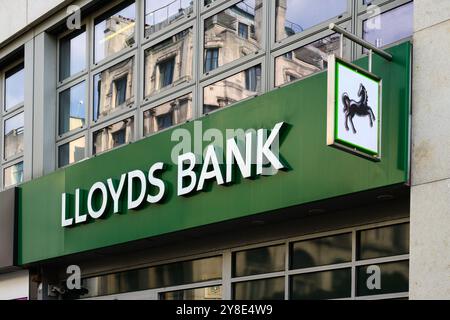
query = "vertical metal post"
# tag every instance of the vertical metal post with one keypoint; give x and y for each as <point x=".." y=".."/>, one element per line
<point x="370" y="59"/>
<point x="341" y="46"/>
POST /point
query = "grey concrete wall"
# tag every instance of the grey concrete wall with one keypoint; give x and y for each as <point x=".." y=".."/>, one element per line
<point x="430" y="194"/>
<point x="18" y="14"/>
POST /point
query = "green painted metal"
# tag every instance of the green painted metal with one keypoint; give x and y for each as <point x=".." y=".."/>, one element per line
<point x="318" y="172"/>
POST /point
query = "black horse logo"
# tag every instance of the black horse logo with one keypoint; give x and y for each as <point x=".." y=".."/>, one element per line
<point x="359" y="108"/>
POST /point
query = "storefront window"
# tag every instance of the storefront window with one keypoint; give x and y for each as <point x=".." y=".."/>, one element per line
<point x="13" y="175"/>
<point x="295" y="16"/>
<point x="72" y="54"/>
<point x="390" y="26"/>
<point x="14" y="135"/>
<point x="210" y="293"/>
<point x="334" y="284"/>
<point x="320" y="252"/>
<point x="72" y="108"/>
<point x="72" y="152"/>
<point x="306" y="60"/>
<point x="171" y="113"/>
<point x="114" y="31"/>
<point x="160" y="14"/>
<point x="14" y="87"/>
<point x="267" y="289"/>
<point x="235" y="33"/>
<point x="114" y="89"/>
<point x="114" y="136"/>
<point x="258" y="261"/>
<point x="383" y="242"/>
<point x="393" y="278"/>
<point x="169" y="63"/>
<point x="240" y="86"/>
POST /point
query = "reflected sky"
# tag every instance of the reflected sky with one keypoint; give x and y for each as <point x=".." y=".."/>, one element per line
<point x="158" y="11"/>
<point x="73" y="52"/>
<point x="14" y="89"/>
<point x="308" y="13"/>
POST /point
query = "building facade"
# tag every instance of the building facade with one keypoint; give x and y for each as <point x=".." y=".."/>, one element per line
<point x="94" y="93"/>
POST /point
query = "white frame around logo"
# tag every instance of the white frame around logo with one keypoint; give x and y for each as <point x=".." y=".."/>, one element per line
<point x="332" y="137"/>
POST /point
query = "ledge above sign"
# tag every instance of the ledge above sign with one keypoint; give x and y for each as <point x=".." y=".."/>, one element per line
<point x="354" y="116"/>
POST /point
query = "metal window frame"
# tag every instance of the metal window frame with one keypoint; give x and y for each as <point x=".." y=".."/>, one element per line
<point x="229" y="73"/>
<point x="359" y="20"/>
<point x="302" y="43"/>
<point x="18" y="106"/>
<point x="155" y="104"/>
<point x="173" y="89"/>
<point x="60" y="90"/>
<point x="361" y="7"/>
<point x="7" y="160"/>
<point x="85" y="71"/>
<point x="73" y="137"/>
<point x="235" y="63"/>
<point x="275" y="45"/>
<point x="7" y="166"/>
<point x="163" y="32"/>
<point x="94" y="65"/>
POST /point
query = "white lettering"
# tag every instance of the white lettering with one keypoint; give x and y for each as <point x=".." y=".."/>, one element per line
<point x="186" y="173"/>
<point x="210" y="159"/>
<point x="96" y="214"/>
<point x="156" y="182"/>
<point x="137" y="174"/>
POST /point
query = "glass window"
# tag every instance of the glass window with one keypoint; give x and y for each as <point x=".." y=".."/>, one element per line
<point x="210" y="293"/>
<point x="14" y="135"/>
<point x="322" y="251"/>
<point x="267" y="289"/>
<point x="236" y="31"/>
<point x="114" y="89"/>
<point x="390" y="26"/>
<point x="294" y="16"/>
<point x="72" y="108"/>
<point x="240" y="86"/>
<point x="333" y="284"/>
<point x="394" y="278"/>
<point x="72" y="54"/>
<point x="14" y="87"/>
<point x="160" y="14"/>
<point x="383" y="242"/>
<point x="162" y="276"/>
<point x="168" y="114"/>
<point x="169" y="63"/>
<point x="258" y="261"/>
<point x="212" y="59"/>
<point x="13" y="175"/>
<point x="72" y="152"/>
<point x="306" y="60"/>
<point x="114" y="31"/>
<point x="114" y="136"/>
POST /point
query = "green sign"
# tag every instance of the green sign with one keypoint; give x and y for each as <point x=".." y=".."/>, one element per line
<point x="354" y="109"/>
<point x="316" y="172"/>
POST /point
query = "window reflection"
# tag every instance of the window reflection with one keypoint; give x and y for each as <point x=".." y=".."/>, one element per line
<point x="114" y="88"/>
<point x="72" y="54"/>
<point x="72" y="108"/>
<point x="169" y="63"/>
<point x="13" y="175"/>
<point x="294" y="16"/>
<point x="210" y="293"/>
<point x="14" y="87"/>
<point x="268" y="289"/>
<point x="258" y="261"/>
<point x="334" y="284"/>
<point x="160" y="14"/>
<point x="114" y="31"/>
<point x="72" y="152"/>
<point x="168" y="114"/>
<point x="305" y="60"/>
<point x="162" y="276"/>
<point x="394" y="279"/>
<point x="390" y="26"/>
<point x="323" y="251"/>
<point x="114" y="136"/>
<point x="14" y="135"/>
<point x="233" y="33"/>
<point x="238" y="87"/>
<point x="383" y="242"/>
